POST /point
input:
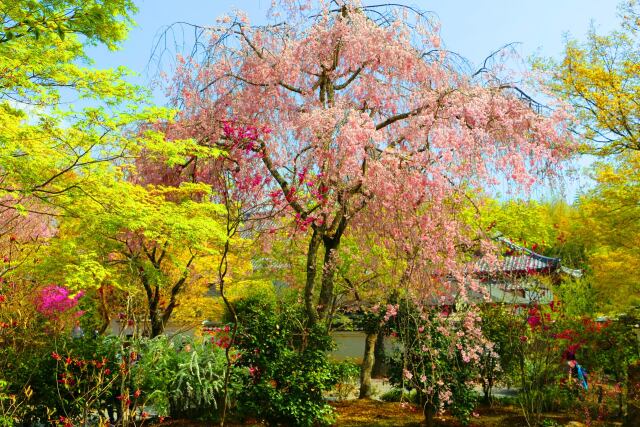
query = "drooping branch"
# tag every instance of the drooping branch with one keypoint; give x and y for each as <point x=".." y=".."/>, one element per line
<point x="351" y="78"/>
<point x="401" y="116"/>
<point x="282" y="182"/>
<point x="260" y="55"/>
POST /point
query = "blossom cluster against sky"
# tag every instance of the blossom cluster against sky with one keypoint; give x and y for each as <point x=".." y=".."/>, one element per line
<point x="471" y="28"/>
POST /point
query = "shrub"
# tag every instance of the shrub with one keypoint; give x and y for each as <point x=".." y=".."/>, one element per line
<point x="283" y="365"/>
<point x="398" y="395"/>
<point x="74" y="379"/>
<point x="93" y="380"/>
<point x="346" y="375"/>
<point x="549" y="337"/>
<point x="503" y="330"/>
<point x="9" y="405"/>
<point x="438" y="358"/>
<point x="182" y="378"/>
<point x="87" y="375"/>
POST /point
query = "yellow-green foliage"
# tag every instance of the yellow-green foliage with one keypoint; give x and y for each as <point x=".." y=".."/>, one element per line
<point x="599" y="78"/>
<point x="52" y="155"/>
<point x="526" y="222"/>
<point x="610" y="214"/>
<point x="42" y="44"/>
<point x="69" y="168"/>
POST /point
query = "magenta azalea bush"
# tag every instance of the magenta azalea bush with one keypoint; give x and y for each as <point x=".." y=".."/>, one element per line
<point x="53" y="300"/>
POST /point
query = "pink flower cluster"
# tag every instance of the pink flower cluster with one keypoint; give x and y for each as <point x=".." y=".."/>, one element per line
<point x="53" y="300"/>
<point x="392" y="311"/>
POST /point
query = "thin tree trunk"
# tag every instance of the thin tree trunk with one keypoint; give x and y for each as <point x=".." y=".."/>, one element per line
<point x="429" y="412"/>
<point x="222" y="272"/>
<point x="103" y="310"/>
<point x="157" y="326"/>
<point x="379" y="368"/>
<point x="367" y="365"/>
<point x="233" y="222"/>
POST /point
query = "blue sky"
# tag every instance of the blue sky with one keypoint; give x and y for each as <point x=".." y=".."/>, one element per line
<point x="472" y="28"/>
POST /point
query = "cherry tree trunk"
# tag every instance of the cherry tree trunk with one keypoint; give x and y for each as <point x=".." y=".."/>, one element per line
<point x="312" y="259"/>
<point x="379" y="364"/>
<point x="367" y="365"/>
<point x="429" y="413"/>
<point x="331" y="245"/>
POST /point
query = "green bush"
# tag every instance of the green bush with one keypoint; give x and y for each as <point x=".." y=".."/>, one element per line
<point x="398" y="395"/>
<point x="69" y="378"/>
<point x="8" y="406"/>
<point x="284" y="365"/>
<point x="503" y="329"/>
<point x="431" y="362"/>
<point x="115" y="378"/>
<point x="183" y="378"/>
<point x="547" y="337"/>
<point x="346" y="375"/>
<point x="35" y="369"/>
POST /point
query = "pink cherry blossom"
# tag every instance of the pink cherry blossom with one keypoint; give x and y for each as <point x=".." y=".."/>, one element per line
<point x="337" y="123"/>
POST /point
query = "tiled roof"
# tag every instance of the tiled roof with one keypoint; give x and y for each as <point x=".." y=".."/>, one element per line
<point x="525" y="263"/>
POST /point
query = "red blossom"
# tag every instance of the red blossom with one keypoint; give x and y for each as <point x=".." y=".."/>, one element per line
<point x="534" y="321"/>
<point x="566" y="334"/>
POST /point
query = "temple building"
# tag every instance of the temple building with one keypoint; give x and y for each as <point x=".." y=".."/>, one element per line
<point x="522" y="276"/>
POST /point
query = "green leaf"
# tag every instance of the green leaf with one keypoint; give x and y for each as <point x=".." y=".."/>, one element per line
<point x="21" y="209"/>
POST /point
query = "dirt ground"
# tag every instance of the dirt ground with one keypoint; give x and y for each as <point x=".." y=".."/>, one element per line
<point x="374" y="413"/>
